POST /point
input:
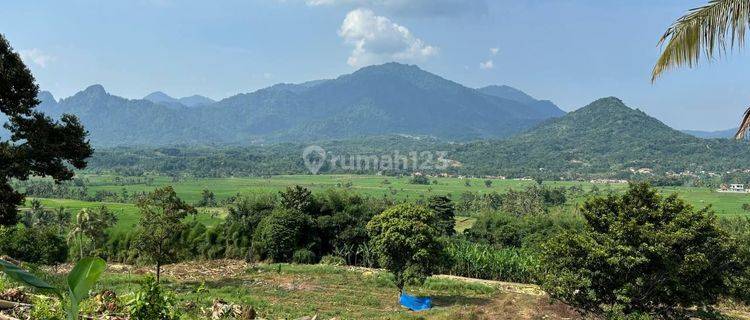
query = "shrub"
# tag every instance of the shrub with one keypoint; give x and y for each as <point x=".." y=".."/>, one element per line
<point x="152" y="302"/>
<point x="35" y="245"/>
<point x="332" y="260"/>
<point x="641" y="253"/>
<point x="303" y="256"/>
<point x="279" y="234"/>
<point x="405" y="240"/>
<point x="419" y="179"/>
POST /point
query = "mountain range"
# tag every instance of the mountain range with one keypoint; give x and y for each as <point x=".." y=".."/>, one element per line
<point x="384" y="99"/>
<point x="606" y="138"/>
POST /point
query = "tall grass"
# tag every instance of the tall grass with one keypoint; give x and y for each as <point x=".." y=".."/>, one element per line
<point x="481" y="261"/>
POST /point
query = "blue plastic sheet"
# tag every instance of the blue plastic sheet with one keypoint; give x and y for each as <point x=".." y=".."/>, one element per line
<point x="415" y="303"/>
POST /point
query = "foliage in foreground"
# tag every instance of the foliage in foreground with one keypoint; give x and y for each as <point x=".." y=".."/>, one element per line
<point x="641" y="253"/>
<point x="38" y="145"/>
<point x="79" y="282"/>
<point x="151" y="301"/>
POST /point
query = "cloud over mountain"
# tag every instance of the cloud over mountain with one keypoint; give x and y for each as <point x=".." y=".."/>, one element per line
<point x="377" y="39"/>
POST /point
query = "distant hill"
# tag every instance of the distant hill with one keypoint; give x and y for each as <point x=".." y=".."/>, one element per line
<point x="603" y="137"/>
<point x="377" y="100"/>
<point x="728" y="133"/>
<point x="191" y="101"/>
<point x="510" y="93"/>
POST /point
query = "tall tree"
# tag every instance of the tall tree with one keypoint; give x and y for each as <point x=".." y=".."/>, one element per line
<point x="405" y="240"/>
<point x="38" y="145"/>
<point x="162" y="214"/>
<point x="706" y="30"/>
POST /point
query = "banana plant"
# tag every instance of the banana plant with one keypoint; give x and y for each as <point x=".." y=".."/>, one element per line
<point x="80" y="281"/>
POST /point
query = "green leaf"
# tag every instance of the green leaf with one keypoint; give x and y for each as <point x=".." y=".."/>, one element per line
<point x="80" y="281"/>
<point x="84" y="275"/>
<point x="18" y="274"/>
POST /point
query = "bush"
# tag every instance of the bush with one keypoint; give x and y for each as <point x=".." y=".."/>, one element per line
<point x="332" y="260"/>
<point x="641" y="253"/>
<point x="303" y="256"/>
<point x="419" y="179"/>
<point x="279" y="234"/>
<point x="152" y="302"/>
<point x="36" y="245"/>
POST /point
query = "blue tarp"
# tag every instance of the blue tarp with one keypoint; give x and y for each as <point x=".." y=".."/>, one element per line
<point x="415" y="303"/>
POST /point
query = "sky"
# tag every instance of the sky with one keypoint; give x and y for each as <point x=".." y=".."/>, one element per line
<point x="568" y="51"/>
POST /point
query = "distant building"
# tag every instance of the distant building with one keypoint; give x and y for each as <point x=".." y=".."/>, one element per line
<point x="734" y="187"/>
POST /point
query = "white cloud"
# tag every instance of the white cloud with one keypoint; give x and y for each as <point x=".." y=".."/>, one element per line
<point x="377" y="39"/>
<point x="494" y="51"/>
<point x="489" y="64"/>
<point x="413" y="7"/>
<point x="36" y="57"/>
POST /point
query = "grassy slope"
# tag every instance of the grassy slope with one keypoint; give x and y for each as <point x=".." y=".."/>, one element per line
<point x="284" y="291"/>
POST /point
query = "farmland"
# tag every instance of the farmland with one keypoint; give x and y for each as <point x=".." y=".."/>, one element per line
<point x="189" y="189"/>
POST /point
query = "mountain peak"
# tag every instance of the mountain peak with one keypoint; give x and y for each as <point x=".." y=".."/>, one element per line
<point x="158" y="96"/>
<point x="609" y="105"/>
<point x="46" y="97"/>
<point x="95" y="89"/>
<point x="390" y="67"/>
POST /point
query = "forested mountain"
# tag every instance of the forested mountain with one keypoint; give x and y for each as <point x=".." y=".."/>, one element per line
<point x="377" y="100"/>
<point x="603" y="137"/>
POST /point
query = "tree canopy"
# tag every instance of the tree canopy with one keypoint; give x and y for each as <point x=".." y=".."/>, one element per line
<point x="38" y="145"/>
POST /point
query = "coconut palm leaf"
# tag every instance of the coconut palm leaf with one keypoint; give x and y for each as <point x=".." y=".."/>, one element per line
<point x="707" y="30"/>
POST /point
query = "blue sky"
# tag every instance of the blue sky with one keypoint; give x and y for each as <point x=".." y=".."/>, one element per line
<point x="571" y="52"/>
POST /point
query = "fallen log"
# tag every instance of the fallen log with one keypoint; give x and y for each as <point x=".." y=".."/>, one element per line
<point x="4" y="317"/>
<point x="10" y="304"/>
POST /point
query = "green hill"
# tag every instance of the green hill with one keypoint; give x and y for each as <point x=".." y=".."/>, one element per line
<point x="603" y="137"/>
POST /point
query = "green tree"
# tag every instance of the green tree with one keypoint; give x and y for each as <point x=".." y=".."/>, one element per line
<point x="298" y="198"/>
<point x="38" y="145"/>
<point x="488" y="183"/>
<point x="405" y="240"/>
<point x="641" y="253"/>
<point x="445" y="212"/>
<point x="280" y="234"/>
<point x="707" y="31"/>
<point x="208" y="199"/>
<point x="92" y="225"/>
<point x="162" y="214"/>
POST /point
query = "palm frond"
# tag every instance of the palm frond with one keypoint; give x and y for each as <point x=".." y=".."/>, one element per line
<point x="709" y="29"/>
